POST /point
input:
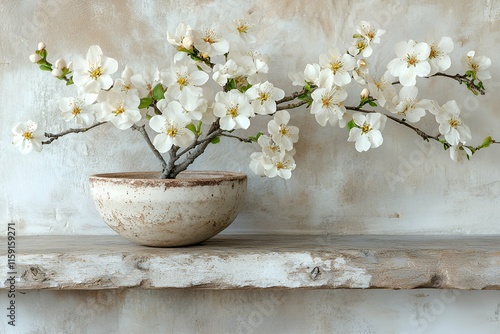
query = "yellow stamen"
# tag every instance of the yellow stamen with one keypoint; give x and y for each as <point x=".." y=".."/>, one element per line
<point x="233" y="111"/>
<point x="434" y="52"/>
<point x="263" y="96"/>
<point x="335" y="66"/>
<point x="76" y="111"/>
<point x="242" y="28"/>
<point x="28" y="135"/>
<point x="283" y="130"/>
<point x="172" y="131"/>
<point x="119" y="110"/>
<point x="365" y="128"/>
<point x="454" y="123"/>
<point x="412" y="60"/>
<point x="325" y="101"/>
<point x="95" y="72"/>
<point x="182" y="81"/>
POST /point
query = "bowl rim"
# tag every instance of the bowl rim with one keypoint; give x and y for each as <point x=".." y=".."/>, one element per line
<point x="198" y="177"/>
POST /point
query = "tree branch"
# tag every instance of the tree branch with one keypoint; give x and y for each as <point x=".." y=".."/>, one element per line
<point x="142" y="130"/>
<point x="243" y="140"/>
<point x="291" y="97"/>
<point x="425" y="136"/>
<point x="291" y="105"/>
<point x="55" y="136"/>
<point x="463" y="79"/>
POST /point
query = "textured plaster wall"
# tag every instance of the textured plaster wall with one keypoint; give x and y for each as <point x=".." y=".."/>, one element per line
<point x="334" y="189"/>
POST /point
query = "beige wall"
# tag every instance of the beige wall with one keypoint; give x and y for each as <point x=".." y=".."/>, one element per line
<point x="334" y="188"/>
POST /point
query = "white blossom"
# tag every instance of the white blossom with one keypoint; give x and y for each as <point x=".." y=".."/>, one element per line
<point x="94" y="73"/>
<point x="281" y="133"/>
<point x="229" y="70"/>
<point x="412" y="61"/>
<point x="450" y="124"/>
<point x="183" y="38"/>
<point x="27" y="137"/>
<point x="407" y="104"/>
<point x="79" y="109"/>
<point x="263" y="97"/>
<point x="209" y="43"/>
<point x="147" y="80"/>
<point x="119" y="108"/>
<point x="340" y="65"/>
<point x="478" y="65"/>
<point x="382" y="90"/>
<point x="368" y="132"/>
<point x="243" y="29"/>
<point x="233" y="109"/>
<point x="438" y="56"/>
<point x="183" y="80"/>
<point x="459" y="153"/>
<point x="171" y="127"/>
<point x="327" y="105"/>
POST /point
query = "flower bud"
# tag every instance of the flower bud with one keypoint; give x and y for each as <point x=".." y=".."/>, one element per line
<point x="41" y="46"/>
<point x="364" y="94"/>
<point x="187" y="42"/>
<point x="57" y="72"/>
<point x="34" y="58"/>
<point x="60" y="64"/>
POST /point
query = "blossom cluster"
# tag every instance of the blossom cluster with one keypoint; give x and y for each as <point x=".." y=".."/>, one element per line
<point x="217" y="83"/>
<point x="335" y="70"/>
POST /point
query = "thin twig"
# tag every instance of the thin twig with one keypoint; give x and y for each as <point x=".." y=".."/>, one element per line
<point x="142" y="130"/>
<point x="243" y="140"/>
<point x="55" y="136"/>
<point x="425" y="136"/>
<point x="291" y="105"/>
<point x="291" y="97"/>
<point x="460" y="78"/>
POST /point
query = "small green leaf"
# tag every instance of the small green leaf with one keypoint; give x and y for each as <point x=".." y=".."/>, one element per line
<point x="373" y="104"/>
<point x="145" y="102"/>
<point x="45" y="67"/>
<point x="158" y="92"/>
<point x="256" y="137"/>
<point x="351" y="125"/>
<point x="487" y="142"/>
<point x="231" y="84"/>
<point x="245" y="88"/>
<point x="191" y="127"/>
<point x="216" y="140"/>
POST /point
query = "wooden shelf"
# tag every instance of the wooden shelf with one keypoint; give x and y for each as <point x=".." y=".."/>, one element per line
<point x="257" y="261"/>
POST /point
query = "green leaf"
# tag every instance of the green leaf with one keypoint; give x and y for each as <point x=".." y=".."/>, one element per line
<point x="45" y="67"/>
<point x="245" y="88"/>
<point x="198" y="128"/>
<point x="373" y="104"/>
<point x="145" y="102"/>
<point x="158" y="92"/>
<point x="231" y="84"/>
<point x="216" y="140"/>
<point x="351" y="125"/>
<point x="486" y="143"/>
<point x="256" y="137"/>
<point x="191" y="127"/>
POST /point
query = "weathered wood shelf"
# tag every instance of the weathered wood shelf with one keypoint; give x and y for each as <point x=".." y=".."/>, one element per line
<point x="257" y="261"/>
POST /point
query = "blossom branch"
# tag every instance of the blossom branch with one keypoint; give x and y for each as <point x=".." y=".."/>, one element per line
<point x="291" y="97"/>
<point x="243" y="140"/>
<point x="142" y="130"/>
<point x="463" y="79"/>
<point x="425" y="136"/>
<point x="192" y="152"/>
<point x="55" y="136"/>
<point x="292" y="105"/>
